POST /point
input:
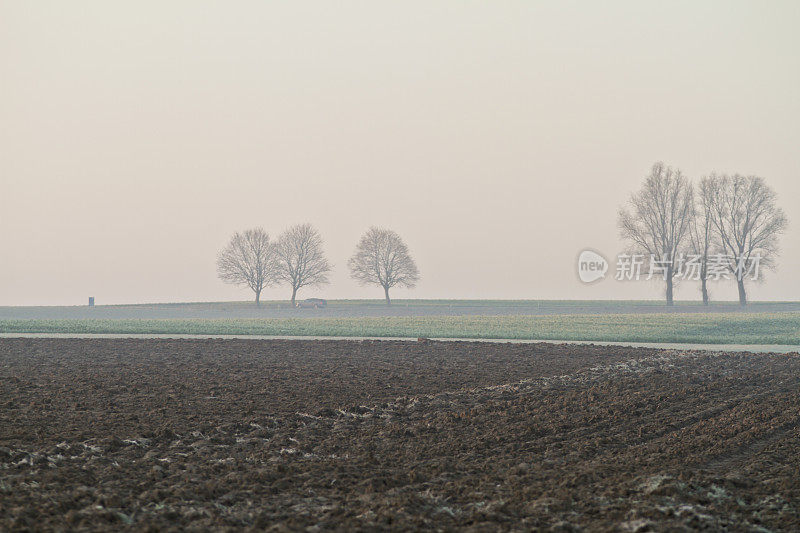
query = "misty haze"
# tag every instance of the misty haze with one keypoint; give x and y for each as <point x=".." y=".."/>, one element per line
<point x="376" y="266"/>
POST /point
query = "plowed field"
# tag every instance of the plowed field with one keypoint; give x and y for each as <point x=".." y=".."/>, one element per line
<point x="379" y="435"/>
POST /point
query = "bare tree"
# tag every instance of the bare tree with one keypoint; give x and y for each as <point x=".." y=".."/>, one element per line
<point x="249" y="260"/>
<point x="748" y="222"/>
<point x="382" y="258"/>
<point x="301" y="261"/>
<point x="659" y="219"/>
<point x="702" y="233"/>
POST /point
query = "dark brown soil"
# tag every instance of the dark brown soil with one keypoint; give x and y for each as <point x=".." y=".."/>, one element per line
<point x="236" y="434"/>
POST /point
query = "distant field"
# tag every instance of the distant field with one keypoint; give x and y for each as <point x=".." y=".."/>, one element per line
<point x="377" y="308"/>
<point x="710" y="328"/>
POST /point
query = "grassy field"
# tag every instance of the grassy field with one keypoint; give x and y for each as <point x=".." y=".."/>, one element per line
<point x="377" y="308"/>
<point x="713" y="328"/>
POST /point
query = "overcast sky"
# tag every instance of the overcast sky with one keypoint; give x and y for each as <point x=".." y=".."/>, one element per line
<point x="498" y="138"/>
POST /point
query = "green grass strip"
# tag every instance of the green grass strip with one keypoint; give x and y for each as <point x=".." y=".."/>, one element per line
<point x="739" y="328"/>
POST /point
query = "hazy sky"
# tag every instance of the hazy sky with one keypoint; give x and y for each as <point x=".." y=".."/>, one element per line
<point x="498" y="138"/>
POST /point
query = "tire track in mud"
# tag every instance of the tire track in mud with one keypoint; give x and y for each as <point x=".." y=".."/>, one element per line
<point x="732" y="460"/>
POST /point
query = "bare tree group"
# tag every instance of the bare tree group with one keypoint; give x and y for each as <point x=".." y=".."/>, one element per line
<point x="297" y="259"/>
<point x="251" y="260"/>
<point x="732" y="218"/>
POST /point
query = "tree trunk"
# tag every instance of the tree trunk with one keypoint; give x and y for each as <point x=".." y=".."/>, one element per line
<point x="704" y="278"/>
<point x="742" y="293"/>
<point x="669" y="288"/>
<point x="258" y="298"/>
<point x="386" y="292"/>
<point x="294" y="295"/>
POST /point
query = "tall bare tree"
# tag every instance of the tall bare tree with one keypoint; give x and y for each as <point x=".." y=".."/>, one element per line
<point x="248" y="260"/>
<point x="382" y="258"/>
<point x="748" y="222"/>
<point x="702" y="232"/>
<point x="301" y="261"/>
<point x="658" y="221"/>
